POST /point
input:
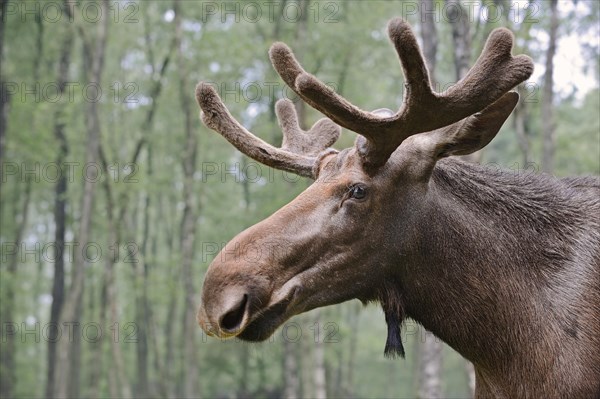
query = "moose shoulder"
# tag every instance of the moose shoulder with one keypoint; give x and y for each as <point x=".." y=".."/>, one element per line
<point x="504" y="267"/>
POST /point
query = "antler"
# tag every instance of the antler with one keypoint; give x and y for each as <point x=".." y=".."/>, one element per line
<point x="495" y="72"/>
<point x="300" y="149"/>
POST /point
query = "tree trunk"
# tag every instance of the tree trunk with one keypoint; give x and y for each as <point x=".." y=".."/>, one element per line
<point x="520" y="124"/>
<point x="430" y="367"/>
<point x="319" y="360"/>
<point x="142" y="308"/>
<point x="4" y="107"/>
<point x="429" y="36"/>
<point x="470" y="371"/>
<point x="191" y="379"/>
<point x="461" y="37"/>
<point x="291" y="379"/>
<point x="60" y="203"/>
<point x="548" y="123"/>
<point x="69" y="353"/>
<point x="353" y="343"/>
<point x="118" y="384"/>
<point x="243" y="387"/>
<point x="170" y="382"/>
<point x="170" y="389"/>
<point x="521" y="119"/>
<point x="96" y="349"/>
<point x="300" y="41"/>
<point x="7" y="374"/>
<point x="156" y="388"/>
<point x="141" y="270"/>
<point x="7" y="354"/>
<point x="392" y="377"/>
<point x="4" y="97"/>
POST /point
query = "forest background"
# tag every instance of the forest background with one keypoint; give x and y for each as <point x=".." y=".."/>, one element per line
<point x="115" y="198"/>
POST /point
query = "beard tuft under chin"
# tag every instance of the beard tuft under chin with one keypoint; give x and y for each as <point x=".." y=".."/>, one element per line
<point x="392" y="304"/>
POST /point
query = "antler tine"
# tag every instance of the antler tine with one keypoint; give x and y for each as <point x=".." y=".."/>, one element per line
<point x="316" y="93"/>
<point x="493" y="75"/>
<point x="324" y="99"/>
<point x="495" y="72"/>
<point x="300" y="150"/>
<point x="317" y="139"/>
<point x="416" y="75"/>
<point x="490" y="119"/>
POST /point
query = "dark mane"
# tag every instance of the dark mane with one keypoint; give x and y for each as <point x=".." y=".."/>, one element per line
<point x="545" y="223"/>
<point x="542" y="201"/>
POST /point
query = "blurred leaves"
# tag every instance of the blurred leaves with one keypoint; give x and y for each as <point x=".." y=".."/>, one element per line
<point x="346" y="45"/>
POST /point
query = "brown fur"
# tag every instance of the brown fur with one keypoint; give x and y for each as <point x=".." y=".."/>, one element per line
<point x="504" y="267"/>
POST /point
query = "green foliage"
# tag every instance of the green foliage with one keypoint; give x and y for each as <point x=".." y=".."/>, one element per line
<point x="350" y="50"/>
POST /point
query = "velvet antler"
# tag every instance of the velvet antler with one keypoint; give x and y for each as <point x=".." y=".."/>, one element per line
<point x="493" y="75"/>
<point x="300" y="149"/>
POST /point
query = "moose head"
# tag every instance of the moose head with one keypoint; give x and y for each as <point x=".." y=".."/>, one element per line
<point x="389" y="220"/>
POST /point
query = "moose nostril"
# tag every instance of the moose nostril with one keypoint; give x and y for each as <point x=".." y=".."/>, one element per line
<point x="233" y="318"/>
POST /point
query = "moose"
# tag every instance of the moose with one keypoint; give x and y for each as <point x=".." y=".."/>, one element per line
<point x="504" y="267"/>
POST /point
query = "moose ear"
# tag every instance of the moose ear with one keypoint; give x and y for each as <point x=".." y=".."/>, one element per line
<point x="472" y="133"/>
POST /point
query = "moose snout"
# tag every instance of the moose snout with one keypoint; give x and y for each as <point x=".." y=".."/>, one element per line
<point x="225" y="313"/>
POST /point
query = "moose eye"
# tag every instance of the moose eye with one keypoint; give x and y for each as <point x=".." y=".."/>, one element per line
<point x="358" y="192"/>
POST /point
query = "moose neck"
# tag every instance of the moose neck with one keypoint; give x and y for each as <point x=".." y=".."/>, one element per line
<point x="487" y="262"/>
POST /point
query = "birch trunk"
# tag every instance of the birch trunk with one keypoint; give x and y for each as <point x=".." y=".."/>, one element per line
<point x="191" y="376"/>
<point x="548" y="122"/>
<point x="60" y="204"/>
<point x="68" y="363"/>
